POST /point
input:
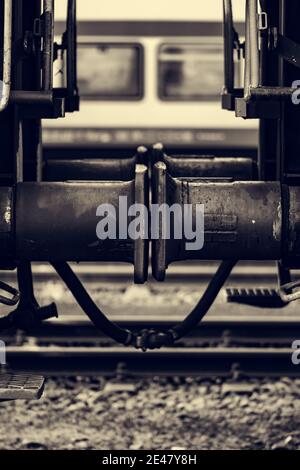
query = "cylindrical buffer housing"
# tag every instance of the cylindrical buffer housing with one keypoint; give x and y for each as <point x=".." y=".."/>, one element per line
<point x="58" y="221"/>
<point x="105" y="169"/>
<point x="237" y="169"/>
<point x="242" y="220"/>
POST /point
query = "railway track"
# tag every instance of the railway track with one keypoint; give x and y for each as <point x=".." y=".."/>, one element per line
<point x="223" y="344"/>
<point x="181" y="361"/>
<point x="218" y="347"/>
<point x="178" y="272"/>
<point x="213" y="330"/>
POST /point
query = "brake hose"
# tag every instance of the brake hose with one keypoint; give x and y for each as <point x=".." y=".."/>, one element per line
<point x="145" y="339"/>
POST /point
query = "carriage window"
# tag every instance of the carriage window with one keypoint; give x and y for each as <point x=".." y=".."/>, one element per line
<point x="110" y="71"/>
<point x="190" y="72"/>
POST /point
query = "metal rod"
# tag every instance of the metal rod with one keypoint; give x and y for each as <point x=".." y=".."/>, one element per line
<point x="228" y="45"/>
<point x="266" y="92"/>
<point x="31" y="97"/>
<point x="251" y="49"/>
<point x="7" y="48"/>
<point x="48" y="46"/>
<point x="71" y="53"/>
<point x="19" y="168"/>
<point x="254" y="50"/>
<point x="247" y="76"/>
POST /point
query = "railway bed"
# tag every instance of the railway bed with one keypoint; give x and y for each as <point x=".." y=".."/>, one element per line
<point x="232" y="339"/>
<point x="218" y="347"/>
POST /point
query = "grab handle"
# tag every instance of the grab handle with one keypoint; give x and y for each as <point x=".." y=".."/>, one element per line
<point x="251" y="48"/>
<point x="7" y="48"/>
<point x="228" y="33"/>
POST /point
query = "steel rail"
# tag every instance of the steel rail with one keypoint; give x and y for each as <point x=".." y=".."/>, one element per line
<point x="255" y="330"/>
<point x="180" y="271"/>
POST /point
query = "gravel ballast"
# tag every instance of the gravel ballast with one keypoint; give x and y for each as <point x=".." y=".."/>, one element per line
<point x="159" y="414"/>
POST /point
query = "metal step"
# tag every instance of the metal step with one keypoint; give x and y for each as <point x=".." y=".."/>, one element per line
<point x="21" y="386"/>
<point x="264" y="298"/>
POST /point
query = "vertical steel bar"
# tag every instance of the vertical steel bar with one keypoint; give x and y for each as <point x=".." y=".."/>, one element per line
<point x="19" y="166"/>
<point x="71" y="53"/>
<point x="48" y="45"/>
<point x="39" y="152"/>
<point x="268" y="128"/>
<point x="7" y="52"/>
<point x="252" y="49"/>
<point x="228" y="46"/>
<point x="247" y="76"/>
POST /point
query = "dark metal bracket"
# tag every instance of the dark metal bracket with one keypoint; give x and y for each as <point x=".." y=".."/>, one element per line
<point x="286" y="48"/>
<point x="49" y="102"/>
<point x="29" y="313"/>
<point x="69" y="46"/>
<point x="228" y="98"/>
<point x="257" y="109"/>
<point x="231" y="43"/>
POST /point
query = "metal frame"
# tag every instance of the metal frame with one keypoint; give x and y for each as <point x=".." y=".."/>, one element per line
<point x="7" y="55"/>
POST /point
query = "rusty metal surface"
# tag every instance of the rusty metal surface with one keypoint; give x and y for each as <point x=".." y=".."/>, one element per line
<point x="57" y="221"/>
<point x="105" y="169"/>
<point x="141" y="245"/>
<point x="293" y="238"/>
<point x="207" y="166"/>
<point x="243" y="220"/>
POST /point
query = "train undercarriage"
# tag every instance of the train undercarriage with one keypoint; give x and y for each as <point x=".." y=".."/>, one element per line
<point x="48" y="210"/>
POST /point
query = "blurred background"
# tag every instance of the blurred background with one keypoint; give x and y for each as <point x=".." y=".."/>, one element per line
<point x="149" y="72"/>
